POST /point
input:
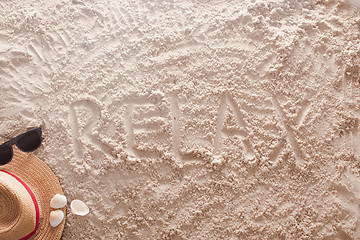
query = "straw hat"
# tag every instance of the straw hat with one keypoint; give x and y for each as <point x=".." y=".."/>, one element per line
<point x="27" y="186"/>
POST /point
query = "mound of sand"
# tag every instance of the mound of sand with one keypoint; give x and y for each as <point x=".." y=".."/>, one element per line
<point x="191" y="119"/>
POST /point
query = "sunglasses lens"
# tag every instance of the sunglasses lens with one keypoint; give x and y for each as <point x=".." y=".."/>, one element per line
<point x="29" y="142"/>
<point x="6" y="154"/>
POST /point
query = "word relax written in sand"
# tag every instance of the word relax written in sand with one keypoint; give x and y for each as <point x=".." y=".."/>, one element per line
<point x="226" y="102"/>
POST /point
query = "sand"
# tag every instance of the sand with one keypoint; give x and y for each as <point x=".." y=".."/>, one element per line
<point x="191" y="119"/>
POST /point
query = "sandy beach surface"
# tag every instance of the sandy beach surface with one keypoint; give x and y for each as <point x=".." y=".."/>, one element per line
<point x="191" y="119"/>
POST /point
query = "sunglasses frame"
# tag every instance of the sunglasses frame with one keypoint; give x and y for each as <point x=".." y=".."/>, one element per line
<point x="15" y="140"/>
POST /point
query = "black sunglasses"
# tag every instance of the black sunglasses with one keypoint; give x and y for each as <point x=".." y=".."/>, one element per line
<point x="26" y="142"/>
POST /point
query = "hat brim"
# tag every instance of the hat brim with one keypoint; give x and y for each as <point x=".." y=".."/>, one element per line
<point x="44" y="184"/>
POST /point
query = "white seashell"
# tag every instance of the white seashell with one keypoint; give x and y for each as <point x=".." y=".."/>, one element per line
<point x="79" y="208"/>
<point x="58" y="201"/>
<point x="56" y="217"/>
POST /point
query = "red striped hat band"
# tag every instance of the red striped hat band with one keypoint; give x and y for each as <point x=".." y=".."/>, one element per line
<point x="35" y="203"/>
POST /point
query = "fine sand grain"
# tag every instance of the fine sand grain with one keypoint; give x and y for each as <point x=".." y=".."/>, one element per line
<point x="191" y="119"/>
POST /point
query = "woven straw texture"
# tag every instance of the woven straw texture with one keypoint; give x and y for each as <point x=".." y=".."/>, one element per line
<point x="17" y="209"/>
<point x="44" y="184"/>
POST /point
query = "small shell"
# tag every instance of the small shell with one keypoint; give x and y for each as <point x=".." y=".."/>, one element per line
<point x="79" y="208"/>
<point x="58" y="201"/>
<point x="56" y="217"/>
